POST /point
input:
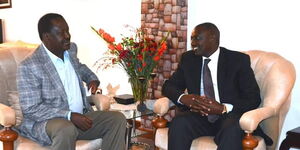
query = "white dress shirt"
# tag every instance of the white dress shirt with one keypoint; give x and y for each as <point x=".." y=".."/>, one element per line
<point x="69" y="80"/>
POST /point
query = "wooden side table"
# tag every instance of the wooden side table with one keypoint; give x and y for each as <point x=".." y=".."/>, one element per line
<point x="292" y="139"/>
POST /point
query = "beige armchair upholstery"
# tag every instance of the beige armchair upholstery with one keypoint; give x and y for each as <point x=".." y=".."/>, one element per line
<point x="275" y="77"/>
<point x="11" y="54"/>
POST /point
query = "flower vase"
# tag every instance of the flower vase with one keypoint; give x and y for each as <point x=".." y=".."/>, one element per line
<point x="139" y="87"/>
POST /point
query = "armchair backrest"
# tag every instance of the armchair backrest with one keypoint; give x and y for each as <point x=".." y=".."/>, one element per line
<point x="10" y="56"/>
<point x="275" y="77"/>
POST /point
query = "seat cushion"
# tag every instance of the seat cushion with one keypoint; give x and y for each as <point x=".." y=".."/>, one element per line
<point x="23" y="143"/>
<point x="202" y="143"/>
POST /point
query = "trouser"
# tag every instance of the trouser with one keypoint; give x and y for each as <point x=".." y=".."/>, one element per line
<point x="188" y="126"/>
<point x="108" y="125"/>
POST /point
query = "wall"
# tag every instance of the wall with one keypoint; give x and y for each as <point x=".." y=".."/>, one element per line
<point x="266" y="25"/>
<point x="161" y="18"/>
<point x="20" y="23"/>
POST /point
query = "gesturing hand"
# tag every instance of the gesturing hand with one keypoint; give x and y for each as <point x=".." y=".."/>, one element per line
<point x="80" y="121"/>
<point x="93" y="85"/>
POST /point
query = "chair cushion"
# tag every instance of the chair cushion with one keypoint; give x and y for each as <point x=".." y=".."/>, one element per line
<point x="206" y="142"/>
<point x="23" y="143"/>
<point x="13" y="100"/>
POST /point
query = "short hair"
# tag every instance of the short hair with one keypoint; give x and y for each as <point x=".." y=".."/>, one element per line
<point x="45" y="25"/>
<point x="212" y="28"/>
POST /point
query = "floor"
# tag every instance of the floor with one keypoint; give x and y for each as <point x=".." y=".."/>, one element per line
<point x="145" y="141"/>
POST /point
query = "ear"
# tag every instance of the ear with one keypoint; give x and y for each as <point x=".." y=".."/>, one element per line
<point x="45" y="36"/>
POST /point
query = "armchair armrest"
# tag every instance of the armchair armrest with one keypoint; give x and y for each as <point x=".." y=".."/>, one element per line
<point x="7" y="119"/>
<point x="250" y="120"/>
<point x="162" y="105"/>
<point x="101" y="102"/>
<point x="7" y="116"/>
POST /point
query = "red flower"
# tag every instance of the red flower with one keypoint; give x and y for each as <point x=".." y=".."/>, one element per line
<point x="156" y="58"/>
<point x="144" y="64"/>
<point x="140" y="57"/>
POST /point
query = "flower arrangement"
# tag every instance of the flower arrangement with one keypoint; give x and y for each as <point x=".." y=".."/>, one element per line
<point x="138" y="55"/>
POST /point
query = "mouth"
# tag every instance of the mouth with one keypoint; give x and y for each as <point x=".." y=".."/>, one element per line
<point x="66" y="45"/>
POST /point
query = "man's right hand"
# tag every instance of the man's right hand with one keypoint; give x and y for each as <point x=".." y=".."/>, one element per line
<point x="192" y="101"/>
<point x="202" y="104"/>
<point x="80" y="121"/>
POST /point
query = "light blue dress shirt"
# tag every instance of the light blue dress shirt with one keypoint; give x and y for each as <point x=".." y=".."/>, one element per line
<point x="69" y="80"/>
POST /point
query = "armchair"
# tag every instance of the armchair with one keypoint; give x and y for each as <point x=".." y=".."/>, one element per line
<point x="275" y="77"/>
<point x="11" y="54"/>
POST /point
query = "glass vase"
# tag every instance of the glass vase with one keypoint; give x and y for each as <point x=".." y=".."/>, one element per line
<point x="139" y="86"/>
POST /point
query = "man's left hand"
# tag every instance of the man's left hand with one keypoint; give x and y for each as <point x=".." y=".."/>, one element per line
<point x="209" y="106"/>
<point x="93" y="85"/>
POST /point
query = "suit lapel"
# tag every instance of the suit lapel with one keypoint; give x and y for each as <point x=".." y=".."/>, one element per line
<point x="196" y="72"/>
<point x="50" y="70"/>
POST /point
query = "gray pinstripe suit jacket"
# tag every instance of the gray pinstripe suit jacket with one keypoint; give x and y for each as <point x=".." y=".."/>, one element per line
<point x="42" y="95"/>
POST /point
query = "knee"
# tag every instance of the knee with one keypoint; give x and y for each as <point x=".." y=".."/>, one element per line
<point x="232" y="129"/>
<point x="178" y="123"/>
<point x="119" y="118"/>
<point x="68" y="129"/>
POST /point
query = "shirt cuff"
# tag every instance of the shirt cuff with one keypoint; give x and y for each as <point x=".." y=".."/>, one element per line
<point x="178" y="101"/>
<point x="229" y="107"/>
<point x="69" y="115"/>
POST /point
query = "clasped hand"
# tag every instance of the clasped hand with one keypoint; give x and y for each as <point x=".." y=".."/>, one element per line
<point x="202" y="104"/>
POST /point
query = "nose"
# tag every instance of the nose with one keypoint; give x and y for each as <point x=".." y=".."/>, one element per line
<point x="193" y="43"/>
<point x="67" y="35"/>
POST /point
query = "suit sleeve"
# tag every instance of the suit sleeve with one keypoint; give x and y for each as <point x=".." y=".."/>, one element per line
<point x="30" y="94"/>
<point x="175" y="86"/>
<point x="86" y="73"/>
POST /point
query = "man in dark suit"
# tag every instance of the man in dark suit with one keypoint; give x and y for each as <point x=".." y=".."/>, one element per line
<point x="235" y="91"/>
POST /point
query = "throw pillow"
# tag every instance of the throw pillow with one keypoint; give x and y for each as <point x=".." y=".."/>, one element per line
<point x="13" y="100"/>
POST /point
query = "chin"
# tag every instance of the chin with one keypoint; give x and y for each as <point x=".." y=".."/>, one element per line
<point x="66" y="47"/>
<point x="198" y="53"/>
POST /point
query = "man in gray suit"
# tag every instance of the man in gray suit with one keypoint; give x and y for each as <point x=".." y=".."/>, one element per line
<point x="53" y="99"/>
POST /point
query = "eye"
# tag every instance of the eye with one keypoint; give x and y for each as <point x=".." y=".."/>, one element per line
<point x="198" y="38"/>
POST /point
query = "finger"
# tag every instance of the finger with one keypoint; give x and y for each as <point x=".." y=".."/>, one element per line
<point x="85" y="125"/>
<point x="204" y="113"/>
<point x="193" y="110"/>
<point x="89" y="120"/>
<point x="93" y="90"/>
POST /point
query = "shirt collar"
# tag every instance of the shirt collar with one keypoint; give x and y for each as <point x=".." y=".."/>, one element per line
<point x="53" y="57"/>
<point x="215" y="55"/>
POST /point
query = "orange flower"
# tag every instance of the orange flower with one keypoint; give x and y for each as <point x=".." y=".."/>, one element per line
<point x="100" y="31"/>
<point x="119" y="47"/>
<point x="111" y="47"/>
<point x="137" y="54"/>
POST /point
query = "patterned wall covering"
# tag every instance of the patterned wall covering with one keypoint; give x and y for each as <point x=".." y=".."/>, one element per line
<point x="160" y="17"/>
